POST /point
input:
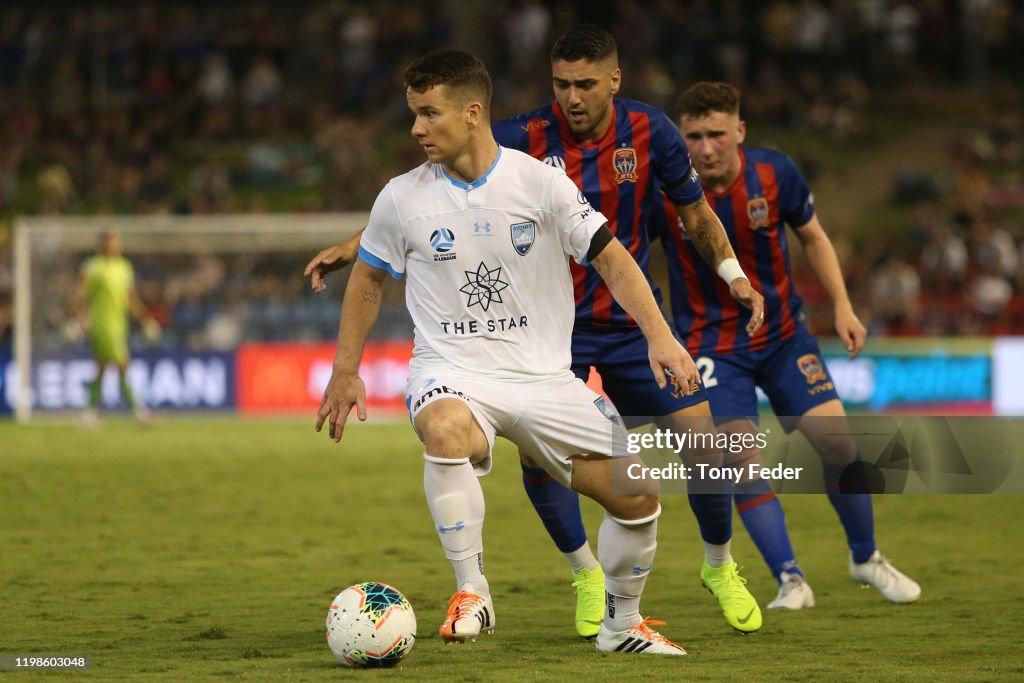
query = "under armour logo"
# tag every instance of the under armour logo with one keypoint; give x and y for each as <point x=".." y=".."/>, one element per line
<point x="458" y="526"/>
<point x="637" y="571"/>
<point x="484" y="229"/>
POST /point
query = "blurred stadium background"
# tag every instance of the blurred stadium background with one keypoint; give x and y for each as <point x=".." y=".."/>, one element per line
<point x="905" y="116"/>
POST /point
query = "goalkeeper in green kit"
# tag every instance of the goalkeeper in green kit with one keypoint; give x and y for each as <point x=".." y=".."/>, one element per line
<point x="107" y="283"/>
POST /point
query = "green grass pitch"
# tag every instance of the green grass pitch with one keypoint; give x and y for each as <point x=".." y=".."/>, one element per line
<point x="211" y="548"/>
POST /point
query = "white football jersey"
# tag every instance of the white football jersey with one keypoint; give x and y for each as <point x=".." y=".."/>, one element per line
<point x="488" y="283"/>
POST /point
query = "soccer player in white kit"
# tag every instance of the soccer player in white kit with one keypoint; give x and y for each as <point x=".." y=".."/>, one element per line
<point x="482" y="235"/>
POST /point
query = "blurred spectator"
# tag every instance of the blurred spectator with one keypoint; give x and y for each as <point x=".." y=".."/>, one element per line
<point x="944" y="259"/>
<point x="993" y="250"/>
<point x="895" y="296"/>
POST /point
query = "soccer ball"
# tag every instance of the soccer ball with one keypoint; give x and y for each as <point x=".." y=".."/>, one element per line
<point x="370" y="625"/>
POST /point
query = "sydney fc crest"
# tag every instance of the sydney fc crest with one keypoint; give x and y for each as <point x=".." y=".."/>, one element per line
<point x="757" y="211"/>
<point x="523" y="236"/>
<point x="624" y="161"/>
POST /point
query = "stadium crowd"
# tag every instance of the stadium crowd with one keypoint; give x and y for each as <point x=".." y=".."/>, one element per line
<point x="181" y="108"/>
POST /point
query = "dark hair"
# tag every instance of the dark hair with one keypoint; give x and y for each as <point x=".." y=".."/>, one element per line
<point x="703" y="98"/>
<point x="584" y="41"/>
<point x="463" y="73"/>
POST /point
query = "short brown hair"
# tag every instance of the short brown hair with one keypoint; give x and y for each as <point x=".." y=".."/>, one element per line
<point x="463" y="73"/>
<point x="703" y="98"/>
<point x="584" y="41"/>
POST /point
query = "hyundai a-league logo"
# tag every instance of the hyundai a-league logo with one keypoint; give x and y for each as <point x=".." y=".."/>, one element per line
<point x="442" y="240"/>
<point x="483" y="286"/>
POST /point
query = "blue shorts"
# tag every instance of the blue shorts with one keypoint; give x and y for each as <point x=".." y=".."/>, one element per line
<point x="620" y="357"/>
<point x="790" y="372"/>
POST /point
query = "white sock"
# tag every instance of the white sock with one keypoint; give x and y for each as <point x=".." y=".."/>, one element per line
<point x="626" y="549"/>
<point x="457" y="505"/>
<point x="581" y="558"/>
<point x="717" y="555"/>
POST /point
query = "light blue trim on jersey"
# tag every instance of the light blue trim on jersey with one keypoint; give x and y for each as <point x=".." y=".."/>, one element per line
<point x="379" y="263"/>
<point x="479" y="182"/>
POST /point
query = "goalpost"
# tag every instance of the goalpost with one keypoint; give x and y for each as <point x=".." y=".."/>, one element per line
<point x="48" y="250"/>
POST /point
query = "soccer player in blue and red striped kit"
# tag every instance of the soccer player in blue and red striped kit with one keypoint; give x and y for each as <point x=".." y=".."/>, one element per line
<point x="619" y="152"/>
<point x="757" y="193"/>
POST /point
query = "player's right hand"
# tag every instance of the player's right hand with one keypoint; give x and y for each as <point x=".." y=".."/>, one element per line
<point x="669" y="359"/>
<point x="327" y="261"/>
<point x="743" y="292"/>
<point x="343" y="391"/>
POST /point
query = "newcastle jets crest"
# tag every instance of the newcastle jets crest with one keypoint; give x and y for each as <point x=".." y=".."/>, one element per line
<point x="624" y="161"/>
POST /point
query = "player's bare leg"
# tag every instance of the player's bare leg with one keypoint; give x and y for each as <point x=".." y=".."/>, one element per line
<point x="454" y="442"/>
<point x="847" y="481"/>
<point x="626" y="545"/>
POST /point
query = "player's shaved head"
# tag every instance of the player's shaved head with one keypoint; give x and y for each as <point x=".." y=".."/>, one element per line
<point x="585" y="42"/>
<point x="464" y="75"/>
<point x="110" y="242"/>
<point x="707" y="97"/>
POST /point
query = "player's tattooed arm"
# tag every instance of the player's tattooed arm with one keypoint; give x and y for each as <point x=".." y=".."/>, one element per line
<point x="706" y="232"/>
<point x="708" y="235"/>
<point x="371" y="296"/>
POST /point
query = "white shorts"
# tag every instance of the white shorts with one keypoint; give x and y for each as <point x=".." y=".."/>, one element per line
<point x="551" y="419"/>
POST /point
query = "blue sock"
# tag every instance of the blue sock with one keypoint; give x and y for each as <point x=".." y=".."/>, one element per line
<point x="714" y="516"/>
<point x="558" y="507"/>
<point x="762" y="514"/>
<point x="853" y="507"/>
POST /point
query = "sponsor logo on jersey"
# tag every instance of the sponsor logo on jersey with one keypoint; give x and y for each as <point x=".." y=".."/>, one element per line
<point x="624" y="161"/>
<point x="443" y="242"/>
<point x="472" y="327"/>
<point x="811" y="368"/>
<point x="536" y="124"/>
<point x="483" y="229"/>
<point x="435" y="392"/>
<point x="757" y="211"/>
<point x="679" y="388"/>
<point x="556" y="161"/>
<point x="523" y="235"/>
<point x="483" y="286"/>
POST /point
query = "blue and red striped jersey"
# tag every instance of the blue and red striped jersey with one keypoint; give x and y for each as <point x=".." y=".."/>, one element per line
<point x="768" y="194"/>
<point x="620" y="176"/>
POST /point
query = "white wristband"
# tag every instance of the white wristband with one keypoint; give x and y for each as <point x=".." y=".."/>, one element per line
<point x="729" y="270"/>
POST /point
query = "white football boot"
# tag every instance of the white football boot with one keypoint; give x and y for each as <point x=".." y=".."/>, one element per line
<point x="469" y="615"/>
<point x="640" y="639"/>
<point x="794" y="593"/>
<point x="890" y="582"/>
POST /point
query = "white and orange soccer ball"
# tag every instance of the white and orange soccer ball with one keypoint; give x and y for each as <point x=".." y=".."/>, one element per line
<point x="370" y="625"/>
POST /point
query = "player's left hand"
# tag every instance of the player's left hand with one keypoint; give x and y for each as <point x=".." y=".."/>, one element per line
<point x="744" y="292"/>
<point x="343" y="391"/>
<point x="851" y="331"/>
<point x="669" y="359"/>
<point x="327" y="261"/>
